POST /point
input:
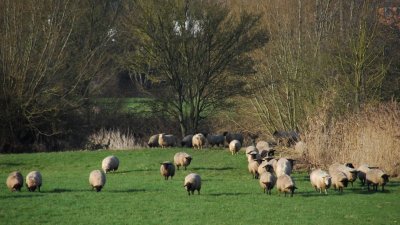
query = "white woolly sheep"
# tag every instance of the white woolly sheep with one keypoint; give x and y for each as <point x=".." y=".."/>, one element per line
<point x="229" y="137"/>
<point x="182" y="159"/>
<point x="253" y="168"/>
<point x="376" y="177"/>
<point x="33" y="181"/>
<point x="253" y="156"/>
<point x="15" y="181"/>
<point x="97" y="179"/>
<point x="216" y="140"/>
<point x="284" y="166"/>
<point x="320" y="180"/>
<point x="166" y="140"/>
<point x="362" y="171"/>
<point x="285" y="184"/>
<point x="263" y="145"/>
<point x="267" y="181"/>
<point x="198" y="141"/>
<point x="192" y="182"/>
<point x="187" y="141"/>
<point x="153" y="141"/>
<point x="167" y="169"/>
<point x="350" y="173"/>
<point x="234" y="146"/>
<point x="110" y="163"/>
<point x="339" y="180"/>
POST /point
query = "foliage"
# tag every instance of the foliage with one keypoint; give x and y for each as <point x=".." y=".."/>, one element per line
<point x="138" y="194"/>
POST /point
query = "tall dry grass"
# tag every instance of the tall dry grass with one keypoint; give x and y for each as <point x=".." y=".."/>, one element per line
<point x="114" y="139"/>
<point x="371" y="136"/>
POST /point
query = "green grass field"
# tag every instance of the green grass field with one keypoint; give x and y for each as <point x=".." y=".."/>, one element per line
<point x="137" y="194"/>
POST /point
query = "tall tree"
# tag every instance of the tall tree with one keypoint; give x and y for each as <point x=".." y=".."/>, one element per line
<point x="199" y="47"/>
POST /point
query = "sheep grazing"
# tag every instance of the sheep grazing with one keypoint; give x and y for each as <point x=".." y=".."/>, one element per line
<point x="216" y="140"/>
<point x="97" y="179"/>
<point x="153" y="141"/>
<point x="198" y="141"/>
<point x="110" y="163"/>
<point x="166" y="140"/>
<point x="339" y="180"/>
<point x="350" y="173"/>
<point x="182" y="159"/>
<point x="253" y="168"/>
<point x="229" y="137"/>
<point x="263" y="145"/>
<point x="167" y="169"/>
<point x="192" y="183"/>
<point x="285" y="184"/>
<point x="267" y="180"/>
<point x="15" y="181"/>
<point x="234" y="146"/>
<point x="284" y="166"/>
<point x="376" y="177"/>
<point x="253" y="156"/>
<point x="33" y="181"/>
<point x="264" y="166"/>
<point x="320" y="180"/>
<point x="187" y="141"/>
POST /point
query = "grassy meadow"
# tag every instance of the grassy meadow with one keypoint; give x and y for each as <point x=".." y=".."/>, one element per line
<point x="137" y="194"/>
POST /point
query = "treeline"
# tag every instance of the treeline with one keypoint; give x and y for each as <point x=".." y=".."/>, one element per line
<point x="288" y="58"/>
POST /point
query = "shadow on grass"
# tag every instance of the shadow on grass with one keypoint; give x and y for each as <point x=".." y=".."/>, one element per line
<point x="130" y="171"/>
<point x="17" y="196"/>
<point x="229" y="194"/>
<point x="10" y="164"/>
<point x="131" y="190"/>
<point x="213" y="168"/>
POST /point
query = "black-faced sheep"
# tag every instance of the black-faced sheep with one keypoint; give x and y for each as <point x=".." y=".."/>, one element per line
<point x="97" y="179"/>
<point x="182" y="159"/>
<point x="192" y="182"/>
<point x="167" y="169"/>
<point x="376" y="177"/>
<point x="15" y="181"/>
<point x="187" y="141"/>
<point x="320" y="180"/>
<point x="33" y="181"/>
<point x="110" y="163"/>
<point x="285" y="184"/>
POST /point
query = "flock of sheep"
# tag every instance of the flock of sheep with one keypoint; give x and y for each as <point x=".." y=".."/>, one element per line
<point x="262" y="164"/>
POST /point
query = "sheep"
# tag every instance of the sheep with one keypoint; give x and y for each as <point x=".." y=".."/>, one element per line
<point x="253" y="168"/>
<point x="267" y="180"/>
<point x="110" y="163"/>
<point x="287" y="138"/>
<point x="376" y="177"/>
<point x="166" y="140"/>
<point x="320" y="180"/>
<point x="265" y="153"/>
<point x="229" y="137"/>
<point x="167" y="169"/>
<point x="216" y="140"/>
<point x="15" y="181"/>
<point x="350" y="173"/>
<point x="192" y="182"/>
<point x="33" y="181"/>
<point x="285" y="184"/>
<point x="362" y="171"/>
<point x="284" y="166"/>
<point x="250" y="148"/>
<point x="153" y="141"/>
<point x="198" y="141"/>
<point x="339" y="180"/>
<point x="97" y="179"/>
<point x="187" y="141"/>
<point x="263" y="145"/>
<point x="182" y="159"/>
<point x="253" y="156"/>
<point x="234" y="146"/>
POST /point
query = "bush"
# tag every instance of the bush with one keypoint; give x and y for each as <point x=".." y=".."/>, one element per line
<point x="371" y="136"/>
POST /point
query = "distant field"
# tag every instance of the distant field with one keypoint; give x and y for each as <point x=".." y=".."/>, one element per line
<point x="137" y="194"/>
<point x="135" y="105"/>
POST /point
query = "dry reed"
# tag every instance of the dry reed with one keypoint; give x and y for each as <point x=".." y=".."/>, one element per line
<point x="371" y="136"/>
<point x="114" y="139"/>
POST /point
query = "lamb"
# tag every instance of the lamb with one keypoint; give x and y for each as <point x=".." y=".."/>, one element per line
<point x="192" y="182"/>
<point x="320" y="180"/>
<point x="15" y="181"/>
<point x="33" y="181"/>
<point x="285" y="184"/>
<point x="153" y="141"/>
<point x="182" y="159"/>
<point x="166" y="140"/>
<point x="267" y="180"/>
<point x="198" y="141"/>
<point x="350" y="173"/>
<point x="167" y="169"/>
<point x="376" y="177"/>
<point x="216" y="140"/>
<point x="284" y="166"/>
<point x="110" y="163"/>
<point x="339" y="180"/>
<point x="187" y="141"/>
<point x="97" y="179"/>
<point x="234" y="146"/>
<point x="253" y="168"/>
<point x="229" y="137"/>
